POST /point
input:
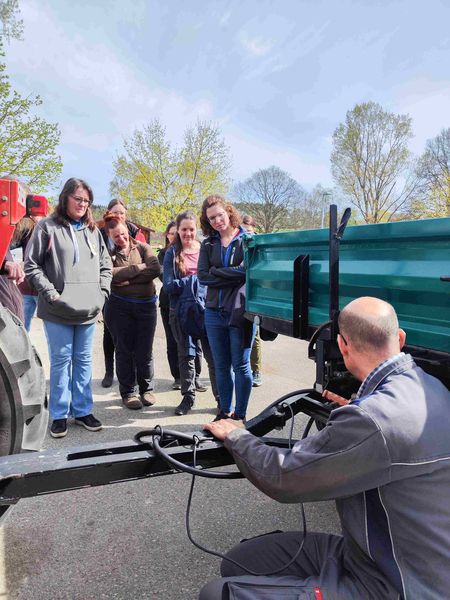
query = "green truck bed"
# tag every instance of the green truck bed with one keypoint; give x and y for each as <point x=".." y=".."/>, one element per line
<point x="399" y="262"/>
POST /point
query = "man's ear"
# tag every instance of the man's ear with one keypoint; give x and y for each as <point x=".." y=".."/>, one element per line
<point x="401" y="338"/>
<point x="342" y="345"/>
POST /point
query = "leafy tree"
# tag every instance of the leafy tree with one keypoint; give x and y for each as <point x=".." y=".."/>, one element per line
<point x="371" y="162"/>
<point x="433" y="171"/>
<point x="313" y="211"/>
<point x="27" y="142"/>
<point x="268" y="196"/>
<point x="11" y="23"/>
<point x="159" y="181"/>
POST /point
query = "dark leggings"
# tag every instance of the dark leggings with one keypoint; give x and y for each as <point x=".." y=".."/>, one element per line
<point x="172" y="350"/>
<point x="108" y="347"/>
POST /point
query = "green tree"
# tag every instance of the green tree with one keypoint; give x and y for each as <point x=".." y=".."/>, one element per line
<point x="159" y="181"/>
<point x="433" y="171"/>
<point x="10" y="21"/>
<point x="268" y="196"/>
<point x="371" y="163"/>
<point x="27" y="142"/>
<point x="313" y="211"/>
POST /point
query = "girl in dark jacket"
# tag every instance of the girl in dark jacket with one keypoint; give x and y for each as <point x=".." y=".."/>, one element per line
<point x="180" y="267"/>
<point x="221" y="268"/>
<point x="171" y="343"/>
<point x="164" y="302"/>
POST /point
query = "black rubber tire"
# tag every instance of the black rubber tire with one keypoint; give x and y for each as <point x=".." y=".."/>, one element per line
<point x="23" y="400"/>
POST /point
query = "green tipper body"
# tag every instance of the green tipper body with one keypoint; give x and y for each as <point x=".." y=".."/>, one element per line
<point x="399" y="262"/>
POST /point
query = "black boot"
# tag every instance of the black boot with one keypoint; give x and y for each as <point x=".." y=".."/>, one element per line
<point x="184" y="407"/>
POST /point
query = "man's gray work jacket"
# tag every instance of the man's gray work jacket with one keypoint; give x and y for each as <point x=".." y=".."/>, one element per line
<point x="386" y="459"/>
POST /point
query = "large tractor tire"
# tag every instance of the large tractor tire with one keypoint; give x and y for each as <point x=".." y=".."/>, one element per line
<point x="23" y="400"/>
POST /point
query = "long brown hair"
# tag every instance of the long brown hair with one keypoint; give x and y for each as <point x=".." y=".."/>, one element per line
<point x="60" y="213"/>
<point x="179" y="261"/>
<point x="168" y="228"/>
<point x="23" y="229"/>
<point x="233" y="214"/>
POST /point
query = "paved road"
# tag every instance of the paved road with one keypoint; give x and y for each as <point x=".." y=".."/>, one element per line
<point x="128" y="540"/>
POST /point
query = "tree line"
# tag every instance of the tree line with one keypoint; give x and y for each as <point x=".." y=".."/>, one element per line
<point x="371" y="164"/>
<point x="372" y="168"/>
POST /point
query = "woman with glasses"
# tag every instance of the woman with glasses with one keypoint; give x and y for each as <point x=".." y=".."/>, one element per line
<point x="221" y="268"/>
<point x="69" y="266"/>
<point x="117" y="208"/>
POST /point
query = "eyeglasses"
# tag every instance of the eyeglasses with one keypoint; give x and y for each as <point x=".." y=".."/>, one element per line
<point x="343" y="339"/>
<point x="218" y="216"/>
<point x="80" y="200"/>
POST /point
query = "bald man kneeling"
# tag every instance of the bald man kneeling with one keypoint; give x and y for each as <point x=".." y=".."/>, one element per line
<point x="384" y="457"/>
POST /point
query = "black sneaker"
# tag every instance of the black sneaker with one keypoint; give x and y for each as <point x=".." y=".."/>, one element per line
<point x="184" y="407"/>
<point x="236" y="417"/>
<point x="221" y="415"/>
<point x="89" y="422"/>
<point x="58" y="428"/>
<point x="107" y="380"/>
<point x="200" y="387"/>
<point x="176" y="385"/>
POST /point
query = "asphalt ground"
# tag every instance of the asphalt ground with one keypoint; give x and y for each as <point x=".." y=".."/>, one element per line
<point x="128" y="540"/>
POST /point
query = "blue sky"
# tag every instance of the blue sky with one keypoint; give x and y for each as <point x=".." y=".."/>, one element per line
<point x="277" y="77"/>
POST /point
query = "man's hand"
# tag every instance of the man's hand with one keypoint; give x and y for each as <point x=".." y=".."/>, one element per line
<point x="332" y="397"/>
<point x="14" y="271"/>
<point x="221" y="429"/>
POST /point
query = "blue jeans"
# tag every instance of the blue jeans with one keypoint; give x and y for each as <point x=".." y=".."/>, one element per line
<point x="231" y="361"/>
<point x="29" y="308"/>
<point x="70" y="350"/>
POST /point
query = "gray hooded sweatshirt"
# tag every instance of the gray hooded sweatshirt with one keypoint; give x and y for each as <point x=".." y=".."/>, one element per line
<point x="73" y="263"/>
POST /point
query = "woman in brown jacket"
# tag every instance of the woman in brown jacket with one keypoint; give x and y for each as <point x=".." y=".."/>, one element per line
<point x="130" y="313"/>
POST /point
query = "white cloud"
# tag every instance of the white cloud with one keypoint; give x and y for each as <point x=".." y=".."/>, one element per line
<point x="100" y="96"/>
<point x="255" y="45"/>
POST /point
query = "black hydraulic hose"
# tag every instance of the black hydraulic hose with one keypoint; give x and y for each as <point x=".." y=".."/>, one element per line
<point x="158" y="433"/>
<point x="315" y="335"/>
<point x="289" y="396"/>
<point x="227" y="558"/>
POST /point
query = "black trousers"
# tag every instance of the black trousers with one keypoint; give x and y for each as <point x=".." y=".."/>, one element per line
<point x="187" y="362"/>
<point x="132" y="326"/>
<point x="108" y="347"/>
